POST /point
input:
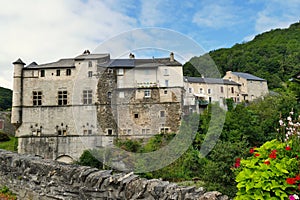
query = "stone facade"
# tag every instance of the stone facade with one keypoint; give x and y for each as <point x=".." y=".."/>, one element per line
<point x="234" y="85"/>
<point x="62" y="108"/>
<point x="252" y="87"/>
<point x="33" y="178"/>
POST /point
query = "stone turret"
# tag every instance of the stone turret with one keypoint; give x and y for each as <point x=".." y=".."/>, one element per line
<point x="16" y="116"/>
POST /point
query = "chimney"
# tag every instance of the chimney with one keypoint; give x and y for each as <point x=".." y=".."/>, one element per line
<point x="172" y="57"/>
<point x="131" y="56"/>
<point x="86" y="52"/>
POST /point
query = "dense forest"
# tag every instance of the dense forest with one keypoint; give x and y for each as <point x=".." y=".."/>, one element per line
<point x="5" y="98"/>
<point x="273" y="55"/>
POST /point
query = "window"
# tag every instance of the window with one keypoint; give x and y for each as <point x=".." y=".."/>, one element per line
<point x="167" y="83"/>
<point x="62" y="98"/>
<point x="190" y="90"/>
<point x="1" y="124"/>
<point x="42" y="73"/>
<point x="209" y="99"/>
<point x="147" y="93"/>
<point x="68" y="72"/>
<point x="121" y="71"/>
<point x="145" y="131"/>
<point x="57" y="72"/>
<point x="37" y="98"/>
<point x="109" y="95"/>
<point x="109" y="131"/>
<point x="222" y="89"/>
<point x="90" y="74"/>
<point x="232" y="90"/>
<point x="201" y="90"/>
<point x="127" y="131"/>
<point x="87" y="96"/>
<point x="209" y="91"/>
<point x="165" y="91"/>
<point x="136" y="115"/>
<point x="162" y="113"/>
<point x="90" y="64"/>
<point x="164" y="129"/>
<point x="121" y="95"/>
<point x="147" y="72"/>
<point x="166" y="72"/>
<point x="90" y="132"/>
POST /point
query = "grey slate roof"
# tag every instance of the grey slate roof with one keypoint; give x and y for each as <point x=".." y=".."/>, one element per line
<point x="209" y="80"/>
<point x="248" y="76"/>
<point x="62" y="63"/>
<point x="19" y="61"/>
<point x="105" y="61"/>
<point x="141" y="63"/>
<point x="92" y="56"/>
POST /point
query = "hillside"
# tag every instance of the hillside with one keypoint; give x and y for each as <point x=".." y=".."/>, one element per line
<point x="5" y="98"/>
<point x="273" y="55"/>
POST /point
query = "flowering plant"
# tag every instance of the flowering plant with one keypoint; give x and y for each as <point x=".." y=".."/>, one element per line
<point x="273" y="170"/>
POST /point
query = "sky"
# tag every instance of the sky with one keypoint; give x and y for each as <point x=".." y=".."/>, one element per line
<point x="47" y="30"/>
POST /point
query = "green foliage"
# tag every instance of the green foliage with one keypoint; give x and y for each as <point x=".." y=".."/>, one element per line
<point x="3" y="137"/>
<point x="265" y="174"/>
<point x="5" y="98"/>
<point x="129" y="145"/>
<point x="10" y="145"/>
<point x="87" y="159"/>
<point x="274" y="56"/>
<point x="6" y="194"/>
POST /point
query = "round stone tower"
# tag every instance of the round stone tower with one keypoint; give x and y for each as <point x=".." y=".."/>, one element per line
<point x="16" y="115"/>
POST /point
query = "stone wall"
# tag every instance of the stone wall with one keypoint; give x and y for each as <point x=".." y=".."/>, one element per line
<point x="35" y="178"/>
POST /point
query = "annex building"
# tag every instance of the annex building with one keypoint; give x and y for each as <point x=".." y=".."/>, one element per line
<point x="62" y="108"/>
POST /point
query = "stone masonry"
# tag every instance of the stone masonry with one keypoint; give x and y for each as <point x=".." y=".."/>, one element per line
<point x="35" y="178"/>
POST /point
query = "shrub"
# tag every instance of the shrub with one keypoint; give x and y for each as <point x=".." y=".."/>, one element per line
<point x="4" y="137"/>
<point x="273" y="170"/>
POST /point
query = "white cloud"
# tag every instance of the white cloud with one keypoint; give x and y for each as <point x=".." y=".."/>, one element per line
<point x="216" y="16"/>
<point x="277" y="14"/>
<point x="45" y="31"/>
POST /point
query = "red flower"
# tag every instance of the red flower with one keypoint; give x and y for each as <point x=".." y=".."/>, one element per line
<point x="291" y="181"/>
<point x="273" y="154"/>
<point x="251" y="150"/>
<point x="298" y="177"/>
<point x="288" y="148"/>
<point x="267" y="162"/>
<point x="257" y="154"/>
<point x="237" y="162"/>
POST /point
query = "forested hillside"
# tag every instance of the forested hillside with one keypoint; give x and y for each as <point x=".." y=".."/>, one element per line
<point x="5" y="98"/>
<point x="273" y="55"/>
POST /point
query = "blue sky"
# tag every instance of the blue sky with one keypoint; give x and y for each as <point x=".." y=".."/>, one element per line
<point x="45" y="31"/>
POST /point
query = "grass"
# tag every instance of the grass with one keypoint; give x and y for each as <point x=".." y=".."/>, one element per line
<point x="10" y="145"/>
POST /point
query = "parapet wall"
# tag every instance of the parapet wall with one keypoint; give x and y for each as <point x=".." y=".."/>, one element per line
<point x="36" y="178"/>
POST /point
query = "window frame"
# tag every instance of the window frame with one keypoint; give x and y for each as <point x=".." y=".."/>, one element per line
<point x="42" y="73"/>
<point x="147" y="93"/>
<point x="37" y="98"/>
<point x="87" y="97"/>
<point x="68" y="72"/>
<point x="62" y="97"/>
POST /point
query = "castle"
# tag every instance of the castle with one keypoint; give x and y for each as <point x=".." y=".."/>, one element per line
<point x="64" y="107"/>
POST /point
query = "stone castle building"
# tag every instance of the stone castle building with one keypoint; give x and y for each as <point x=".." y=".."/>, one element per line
<point x="62" y="108"/>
